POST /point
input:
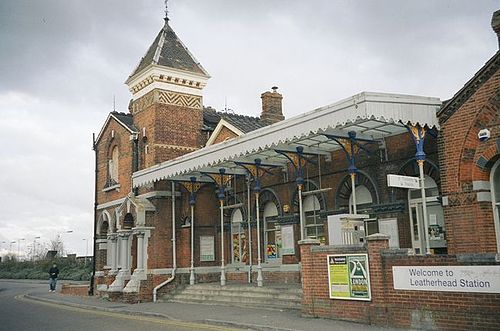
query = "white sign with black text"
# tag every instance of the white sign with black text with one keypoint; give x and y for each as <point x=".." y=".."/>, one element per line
<point x="483" y="279"/>
<point x="403" y="181"/>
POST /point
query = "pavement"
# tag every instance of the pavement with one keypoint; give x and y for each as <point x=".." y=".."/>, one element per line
<point x="231" y="316"/>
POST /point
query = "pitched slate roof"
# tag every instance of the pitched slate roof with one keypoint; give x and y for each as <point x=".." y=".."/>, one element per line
<point x="168" y="50"/>
<point x="245" y="124"/>
<point x="486" y="72"/>
<point x="125" y="119"/>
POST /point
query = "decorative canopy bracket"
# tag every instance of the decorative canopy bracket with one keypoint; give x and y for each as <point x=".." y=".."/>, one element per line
<point x="351" y="146"/>
<point x="221" y="180"/>
<point x="256" y="170"/>
<point x="192" y="187"/>
<point x="298" y="160"/>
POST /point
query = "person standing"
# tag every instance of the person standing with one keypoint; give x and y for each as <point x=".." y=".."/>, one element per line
<point x="53" y="273"/>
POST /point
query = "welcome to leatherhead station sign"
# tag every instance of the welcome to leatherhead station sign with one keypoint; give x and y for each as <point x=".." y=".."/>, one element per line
<point x="483" y="279"/>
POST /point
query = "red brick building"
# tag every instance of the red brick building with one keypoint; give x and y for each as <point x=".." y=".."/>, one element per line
<point x="186" y="194"/>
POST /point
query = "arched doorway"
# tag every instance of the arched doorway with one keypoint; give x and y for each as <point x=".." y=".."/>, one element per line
<point x="435" y="216"/>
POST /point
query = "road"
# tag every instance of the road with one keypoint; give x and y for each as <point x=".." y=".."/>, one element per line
<point x="19" y="313"/>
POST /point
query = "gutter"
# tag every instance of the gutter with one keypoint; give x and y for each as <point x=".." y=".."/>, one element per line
<point x="174" y="256"/>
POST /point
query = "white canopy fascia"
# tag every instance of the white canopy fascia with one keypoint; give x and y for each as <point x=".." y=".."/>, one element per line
<point x="371" y="115"/>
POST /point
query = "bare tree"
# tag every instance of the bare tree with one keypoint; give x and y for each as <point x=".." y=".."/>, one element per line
<point x="57" y="245"/>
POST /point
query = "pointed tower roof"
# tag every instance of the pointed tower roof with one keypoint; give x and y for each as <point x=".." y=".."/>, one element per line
<point x="168" y="51"/>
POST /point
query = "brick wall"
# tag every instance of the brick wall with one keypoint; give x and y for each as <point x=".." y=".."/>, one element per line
<point x="224" y="134"/>
<point x="74" y="289"/>
<point x="105" y="146"/>
<point x="469" y="223"/>
<point x="397" y="308"/>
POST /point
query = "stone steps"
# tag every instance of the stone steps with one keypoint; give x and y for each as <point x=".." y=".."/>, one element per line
<point x="272" y="297"/>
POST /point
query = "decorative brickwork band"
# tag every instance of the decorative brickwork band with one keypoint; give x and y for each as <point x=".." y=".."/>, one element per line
<point x="167" y="97"/>
<point x="178" y="99"/>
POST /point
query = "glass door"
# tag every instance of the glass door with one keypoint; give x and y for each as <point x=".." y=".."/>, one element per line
<point x="416" y="221"/>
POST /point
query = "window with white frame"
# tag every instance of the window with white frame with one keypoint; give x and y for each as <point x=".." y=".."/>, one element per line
<point x="272" y="232"/>
<point x="314" y="223"/>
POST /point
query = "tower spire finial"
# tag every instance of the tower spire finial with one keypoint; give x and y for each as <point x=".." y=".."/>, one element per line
<point x="166" y="11"/>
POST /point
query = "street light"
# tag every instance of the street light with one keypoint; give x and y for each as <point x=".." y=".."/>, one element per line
<point x="60" y="235"/>
<point x="10" y="246"/>
<point x="34" y="247"/>
<point x="19" y="248"/>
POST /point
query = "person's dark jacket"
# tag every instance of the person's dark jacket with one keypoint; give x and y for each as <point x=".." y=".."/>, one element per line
<point x="53" y="272"/>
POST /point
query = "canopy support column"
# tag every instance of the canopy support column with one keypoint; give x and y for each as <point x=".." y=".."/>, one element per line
<point x="418" y="136"/>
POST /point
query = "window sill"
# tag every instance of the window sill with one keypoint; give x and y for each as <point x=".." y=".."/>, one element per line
<point x="111" y="188"/>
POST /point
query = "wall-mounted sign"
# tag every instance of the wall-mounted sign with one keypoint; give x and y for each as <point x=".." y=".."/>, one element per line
<point x="288" y="242"/>
<point x="349" y="277"/>
<point x="403" y="181"/>
<point x="484" y="279"/>
<point x="207" y="248"/>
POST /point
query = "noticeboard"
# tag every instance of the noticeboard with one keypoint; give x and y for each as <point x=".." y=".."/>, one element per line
<point x="349" y="277"/>
<point x="207" y="248"/>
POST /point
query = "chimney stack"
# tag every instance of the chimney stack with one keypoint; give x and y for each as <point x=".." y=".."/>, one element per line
<point x="272" y="110"/>
<point x="495" y="24"/>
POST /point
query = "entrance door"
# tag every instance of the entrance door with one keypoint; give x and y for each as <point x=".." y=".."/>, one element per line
<point x="416" y="222"/>
<point x="435" y="217"/>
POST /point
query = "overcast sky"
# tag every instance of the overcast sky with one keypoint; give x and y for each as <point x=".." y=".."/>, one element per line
<point x="61" y="63"/>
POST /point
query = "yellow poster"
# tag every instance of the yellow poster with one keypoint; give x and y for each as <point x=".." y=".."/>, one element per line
<point x="348" y="277"/>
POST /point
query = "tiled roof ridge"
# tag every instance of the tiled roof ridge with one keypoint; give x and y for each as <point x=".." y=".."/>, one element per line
<point x="222" y="113"/>
<point x="114" y="112"/>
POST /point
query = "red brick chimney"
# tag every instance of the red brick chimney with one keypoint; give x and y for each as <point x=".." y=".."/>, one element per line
<point x="495" y="24"/>
<point x="272" y="110"/>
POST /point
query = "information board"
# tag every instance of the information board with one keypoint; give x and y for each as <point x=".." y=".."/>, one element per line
<point x="288" y="242"/>
<point x="207" y="249"/>
<point x="349" y="277"/>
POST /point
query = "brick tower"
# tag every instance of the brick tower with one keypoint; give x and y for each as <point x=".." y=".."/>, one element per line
<point x="167" y="104"/>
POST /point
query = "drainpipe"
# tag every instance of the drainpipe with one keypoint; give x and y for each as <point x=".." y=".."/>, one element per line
<point x="91" y="288"/>
<point x="174" y="257"/>
<point x="249" y="231"/>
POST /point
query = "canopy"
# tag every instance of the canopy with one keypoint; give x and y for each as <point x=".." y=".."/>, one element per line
<point x="372" y="116"/>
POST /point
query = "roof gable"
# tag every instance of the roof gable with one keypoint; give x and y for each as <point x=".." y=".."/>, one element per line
<point x="125" y="120"/>
<point x="483" y="75"/>
<point x="219" y="128"/>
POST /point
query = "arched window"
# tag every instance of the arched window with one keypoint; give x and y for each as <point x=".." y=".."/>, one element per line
<point x="113" y="166"/>
<point x="314" y="224"/>
<point x="238" y="237"/>
<point x="363" y="199"/>
<point x="272" y="233"/>
<point x="495" y="195"/>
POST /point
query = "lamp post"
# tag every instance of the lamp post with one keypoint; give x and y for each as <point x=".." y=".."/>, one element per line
<point x="10" y="246"/>
<point x="60" y="235"/>
<point x="19" y="248"/>
<point x="34" y="247"/>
